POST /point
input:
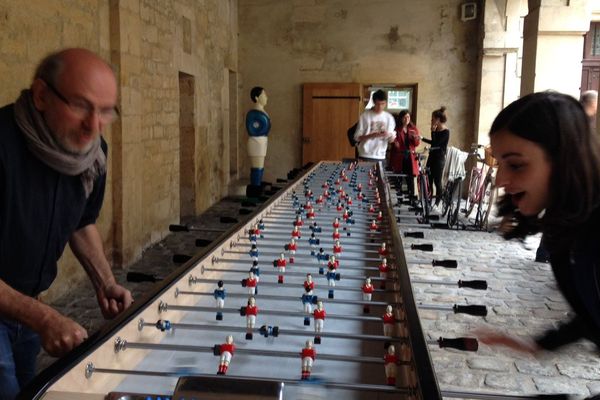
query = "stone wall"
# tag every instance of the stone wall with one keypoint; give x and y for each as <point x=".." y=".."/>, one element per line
<point x="285" y="44"/>
<point x="151" y="43"/>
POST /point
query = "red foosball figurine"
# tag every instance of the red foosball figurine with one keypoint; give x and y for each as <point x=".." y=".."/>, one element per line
<point x="337" y="248"/>
<point x="251" y="313"/>
<point x="309" y="285"/>
<point x="383" y="252"/>
<point x="280" y="263"/>
<point x="308" y="356"/>
<point x="319" y="319"/>
<point x="336" y="234"/>
<point x="383" y="272"/>
<point x="292" y="247"/>
<point x="336" y="223"/>
<point x="389" y="321"/>
<point x="367" y="290"/>
<point x="227" y="349"/>
<point x="251" y="283"/>
<point x="390" y="361"/>
<point x="298" y="222"/>
<point x="296" y="233"/>
<point x="379" y="217"/>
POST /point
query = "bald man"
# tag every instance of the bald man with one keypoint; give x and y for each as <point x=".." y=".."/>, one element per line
<point x="52" y="179"/>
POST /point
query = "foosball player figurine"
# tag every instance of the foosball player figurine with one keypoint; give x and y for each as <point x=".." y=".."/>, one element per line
<point x="254" y="253"/>
<point x="367" y="289"/>
<point x="322" y="258"/>
<point x="379" y="217"/>
<point x="332" y="274"/>
<point x="309" y="284"/>
<point x="308" y="298"/>
<point x="251" y="311"/>
<point x="227" y="349"/>
<point x="308" y="355"/>
<point x="219" y="295"/>
<point x="280" y="265"/>
<point x="383" y="272"/>
<point x="319" y="317"/>
<point x="390" y="361"/>
<point x="296" y="233"/>
<point x="336" y="223"/>
<point x="298" y="222"/>
<point x="348" y="200"/>
<point x="371" y="208"/>
<point x="252" y="235"/>
<point x="389" y="321"/>
<point x="336" y="234"/>
<point x="313" y="242"/>
<point x="320" y="201"/>
<point x="250" y="283"/>
<point x="163" y="325"/>
<point x="291" y="248"/>
<point x="383" y="251"/>
<point x="261" y="228"/>
<point x="315" y="228"/>
<point x="337" y="249"/>
<point x="339" y="206"/>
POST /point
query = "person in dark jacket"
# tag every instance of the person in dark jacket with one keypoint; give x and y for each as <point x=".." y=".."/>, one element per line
<point x="440" y="135"/>
<point x="549" y="167"/>
<point x="52" y="181"/>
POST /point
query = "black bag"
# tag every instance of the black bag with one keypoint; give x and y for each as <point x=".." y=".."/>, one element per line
<point x="351" y="133"/>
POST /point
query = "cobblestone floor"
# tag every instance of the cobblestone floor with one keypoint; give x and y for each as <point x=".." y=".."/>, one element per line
<point x="522" y="299"/>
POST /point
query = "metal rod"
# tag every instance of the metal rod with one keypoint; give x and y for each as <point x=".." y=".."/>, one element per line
<point x="163" y="307"/>
<point x="293" y="273"/>
<point x="233" y="378"/>
<point x="123" y="345"/>
<point x="296" y="264"/>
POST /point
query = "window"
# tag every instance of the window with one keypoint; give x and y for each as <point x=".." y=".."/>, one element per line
<point x="400" y="97"/>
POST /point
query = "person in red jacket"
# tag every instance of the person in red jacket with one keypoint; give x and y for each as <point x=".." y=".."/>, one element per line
<point x="227" y="350"/>
<point x="403" y="159"/>
<point x="308" y="356"/>
<point x="390" y="359"/>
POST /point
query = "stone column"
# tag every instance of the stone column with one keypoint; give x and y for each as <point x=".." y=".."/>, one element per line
<point x="499" y="79"/>
<point x="553" y="45"/>
<point x="127" y="150"/>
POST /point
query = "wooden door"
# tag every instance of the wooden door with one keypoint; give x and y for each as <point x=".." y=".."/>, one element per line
<point x="329" y="110"/>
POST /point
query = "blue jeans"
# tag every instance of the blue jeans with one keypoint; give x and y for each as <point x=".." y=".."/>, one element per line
<point x="19" y="347"/>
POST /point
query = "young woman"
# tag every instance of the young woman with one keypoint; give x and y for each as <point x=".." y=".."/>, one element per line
<point x="549" y="166"/>
<point x="440" y="135"/>
<point x="403" y="159"/>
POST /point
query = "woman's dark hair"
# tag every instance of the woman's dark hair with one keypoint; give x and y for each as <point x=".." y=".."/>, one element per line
<point x="401" y="115"/>
<point x="255" y="92"/>
<point x="440" y="114"/>
<point x="558" y="124"/>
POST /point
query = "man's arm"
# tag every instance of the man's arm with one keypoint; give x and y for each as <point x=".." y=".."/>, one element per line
<point x="86" y="244"/>
<point x="58" y="333"/>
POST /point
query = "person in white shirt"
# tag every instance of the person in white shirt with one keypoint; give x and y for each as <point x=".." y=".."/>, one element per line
<point x="375" y="130"/>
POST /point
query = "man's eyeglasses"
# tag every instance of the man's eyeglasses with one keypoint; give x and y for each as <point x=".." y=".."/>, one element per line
<point x="84" y="109"/>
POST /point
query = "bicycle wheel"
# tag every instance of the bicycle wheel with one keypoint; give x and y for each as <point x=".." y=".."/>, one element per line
<point x="447" y="197"/>
<point x="424" y="197"/>
<point x="482" y="204"/>
<point x="454" y="207"/>
<point x="472" y="191"/>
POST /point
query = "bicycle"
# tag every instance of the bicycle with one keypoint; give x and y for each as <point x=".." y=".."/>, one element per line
<point x="454" y="172"/>
<point x="423" y="187"/>
<point x="482" y="190"/>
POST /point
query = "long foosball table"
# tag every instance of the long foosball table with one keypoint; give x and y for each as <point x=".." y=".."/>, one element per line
<point x="310" y="298"/>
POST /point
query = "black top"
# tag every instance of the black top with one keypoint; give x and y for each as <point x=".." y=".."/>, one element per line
<point x="40" y="208"/>
<point x="577" y="272"/>
<point x="439" y="143"/>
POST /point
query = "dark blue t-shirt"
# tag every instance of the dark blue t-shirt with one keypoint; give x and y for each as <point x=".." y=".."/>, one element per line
<point x="40" y="209"/>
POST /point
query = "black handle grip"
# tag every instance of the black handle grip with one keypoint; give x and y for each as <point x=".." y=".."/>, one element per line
<point x="480" y="311"/>
<point x="422" y="247"/>
<point x="141" y="277"/>
<point x="181" y="258"/>
<point x="178" y="228"/>
<point x="463" y="343"/>
<point x="203" y="242"/>
<point x="477" y="284"/>
<point x="417" y="235"/>
<point x="445" y="263"/>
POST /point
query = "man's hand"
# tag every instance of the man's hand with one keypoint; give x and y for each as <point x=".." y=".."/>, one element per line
<point x="60" y="334"/>
<point x="113" y="299"/>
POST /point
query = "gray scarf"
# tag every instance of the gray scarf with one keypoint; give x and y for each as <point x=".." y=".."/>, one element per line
<point x="42" y="144"/>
